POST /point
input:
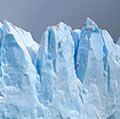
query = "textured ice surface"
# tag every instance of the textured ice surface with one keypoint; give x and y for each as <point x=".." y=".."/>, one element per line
<point x="72" y="74"/>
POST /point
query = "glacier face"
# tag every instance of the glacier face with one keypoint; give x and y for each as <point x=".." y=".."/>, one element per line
<point x="71" y="74"/>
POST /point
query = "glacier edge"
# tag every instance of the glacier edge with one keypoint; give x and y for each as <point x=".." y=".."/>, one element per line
<point x="71" y="74"/>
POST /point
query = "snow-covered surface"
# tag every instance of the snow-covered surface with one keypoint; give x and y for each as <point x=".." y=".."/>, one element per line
<point x="72" y="74"/>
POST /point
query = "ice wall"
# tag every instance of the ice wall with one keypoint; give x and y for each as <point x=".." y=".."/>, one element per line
<point x="71" y="74"/>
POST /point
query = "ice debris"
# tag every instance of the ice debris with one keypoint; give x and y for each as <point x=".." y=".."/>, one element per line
<point x="71" y="74"/>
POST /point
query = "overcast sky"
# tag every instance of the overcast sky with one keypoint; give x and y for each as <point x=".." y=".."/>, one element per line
<point x="35" y="15"/>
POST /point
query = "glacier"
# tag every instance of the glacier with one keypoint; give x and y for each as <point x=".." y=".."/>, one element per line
<point x="69" y="74"/>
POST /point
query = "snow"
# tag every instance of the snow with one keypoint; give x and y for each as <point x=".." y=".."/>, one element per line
<point x="72" y="74"/>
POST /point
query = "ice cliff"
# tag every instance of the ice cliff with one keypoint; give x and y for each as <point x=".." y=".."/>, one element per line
<point x="71" y="74"/>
